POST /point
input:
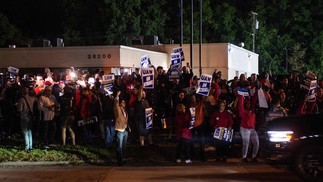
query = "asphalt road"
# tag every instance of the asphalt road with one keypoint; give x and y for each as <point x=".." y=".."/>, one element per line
<point x="233" y="170"/>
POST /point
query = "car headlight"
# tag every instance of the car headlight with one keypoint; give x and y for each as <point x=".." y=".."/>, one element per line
<point x="280" y="136"/>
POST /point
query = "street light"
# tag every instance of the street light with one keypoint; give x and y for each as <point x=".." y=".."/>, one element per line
<point x="255" y="26"/>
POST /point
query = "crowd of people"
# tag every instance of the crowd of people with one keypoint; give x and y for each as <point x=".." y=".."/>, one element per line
<point x="45" y="110"/>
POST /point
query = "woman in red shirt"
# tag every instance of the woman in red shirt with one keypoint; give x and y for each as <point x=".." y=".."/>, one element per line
<point x="247" y="128"/>
<point x="221" y="118"/>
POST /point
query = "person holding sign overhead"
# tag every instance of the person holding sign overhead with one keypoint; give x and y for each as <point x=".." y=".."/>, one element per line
<point x="140" y="106"/>
<point x="186" y="77"/>
<point x="221" y="119"/>
<point x="121" y="126"/>
<point x="247" y="128"/>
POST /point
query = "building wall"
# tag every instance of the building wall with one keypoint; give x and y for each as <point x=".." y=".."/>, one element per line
<point x="130" y="57"/>
<point x="241" y="61"/>
<point x="225" y="57"/>
<point x="105" y="56"/>
<point x="231" y="60"/>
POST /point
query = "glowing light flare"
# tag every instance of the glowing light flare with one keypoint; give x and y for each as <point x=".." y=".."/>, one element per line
<point x="280" y="136"/>
<point x="72" y="74"/>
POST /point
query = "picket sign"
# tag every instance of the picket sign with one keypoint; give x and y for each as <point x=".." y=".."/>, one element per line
<point x="224" y="134"/>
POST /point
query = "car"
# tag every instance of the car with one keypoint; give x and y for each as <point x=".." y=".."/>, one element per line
<point x="297" y="140"/>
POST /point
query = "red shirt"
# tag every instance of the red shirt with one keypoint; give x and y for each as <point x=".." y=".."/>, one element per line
<point x="182" y="124"/>
<point x="248" y="118"/>
<point x="221" y="119"/>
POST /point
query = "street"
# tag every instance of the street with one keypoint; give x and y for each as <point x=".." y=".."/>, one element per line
<point x="233" y="170"/>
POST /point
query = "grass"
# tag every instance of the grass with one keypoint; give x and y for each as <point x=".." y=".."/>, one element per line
<point x="11" y="150"/>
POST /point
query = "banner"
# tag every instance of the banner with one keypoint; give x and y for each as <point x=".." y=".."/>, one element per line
<point x="204" y="85"/>
<point x="12" y="69"/>
<point x="174" y="74"/>
<point x="144" y="62"/>
<point x="192" y="111"/>
<point x="243" y="91"/>
<point x="180" y="51"/>
<point x="311" y="96"/>
<point x="106" y="79"/>
<point x="222" y="133"/>
<point x="147" y="75"/>
<point x="108" y="89"/>
<point x="175" y="60"/>
<point x="310" y="83"/>
<point x="149" y="118"/>
<point x="93" y="119"/>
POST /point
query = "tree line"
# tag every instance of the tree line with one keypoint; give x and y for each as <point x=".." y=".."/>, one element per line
<point x="289" y="37"/>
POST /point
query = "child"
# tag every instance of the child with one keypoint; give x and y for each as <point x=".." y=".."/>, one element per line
<point x="183" y="134"/>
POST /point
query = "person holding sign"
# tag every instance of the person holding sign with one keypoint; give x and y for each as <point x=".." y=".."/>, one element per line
<point x="247" y="128"/>
<point x="183" y="134"/>
<point x="140" y="106"/>
<point x="221" y="119"/>
<point x="121" y="126"/>
<point x="187" y="74"/>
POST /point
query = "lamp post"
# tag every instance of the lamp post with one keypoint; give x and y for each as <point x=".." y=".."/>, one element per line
<point x="255" y="25"/>
<point x="181" y="14"/>
<point x="192" y="34"/>
<point x="200" y="42"/>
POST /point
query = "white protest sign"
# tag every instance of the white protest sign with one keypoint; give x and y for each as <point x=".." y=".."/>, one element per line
<point x="223" y="134"/>
<point x="147" y="75"/>
<point x="176" y="60"/>
<point x="149" y="118"/>
<point x="144" y="62"/>
<point x="311" y="97"/>
<point x="12" y="69"/>
<point x="107" y="79"/>
<point x="179" y="50"/>
<point x="192" y="111"/>
<point x="204" y="85"/>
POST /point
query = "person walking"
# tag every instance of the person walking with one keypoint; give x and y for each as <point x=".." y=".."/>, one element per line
<point x="25" y="108"/>
<point x="121" y="126"/>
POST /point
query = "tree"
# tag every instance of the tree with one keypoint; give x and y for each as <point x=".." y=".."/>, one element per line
<point x="9" y="34"/>
<point x="123" y="22"/>
<point x="296" y="58"/>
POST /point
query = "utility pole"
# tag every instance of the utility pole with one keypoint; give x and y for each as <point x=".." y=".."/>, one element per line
<point x="192" y="37"/>
<point x="200" y="43"/>
<point x="181" y="14"/>
<point x="255" y="25"/>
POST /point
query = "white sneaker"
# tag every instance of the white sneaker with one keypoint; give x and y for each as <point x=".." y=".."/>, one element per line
<point x="178" y="161"/>
<point x="188" y="161"/>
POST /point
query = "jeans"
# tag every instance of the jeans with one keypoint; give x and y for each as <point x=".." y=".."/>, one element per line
<point x="26" y="128"/>
<point x="28" y="139"/>
<point x="247" y="135"/>
<point x="110" y="132"/>
<point x="122" y="137"/>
